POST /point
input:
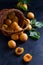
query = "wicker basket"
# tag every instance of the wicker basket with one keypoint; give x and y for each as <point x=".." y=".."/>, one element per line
<point x="18" y="13"/>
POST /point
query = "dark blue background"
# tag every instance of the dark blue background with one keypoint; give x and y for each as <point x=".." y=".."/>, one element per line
<point x="7" y="56"/>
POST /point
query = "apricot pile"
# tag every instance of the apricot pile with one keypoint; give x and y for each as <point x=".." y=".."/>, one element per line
<point x="11" y="24"/>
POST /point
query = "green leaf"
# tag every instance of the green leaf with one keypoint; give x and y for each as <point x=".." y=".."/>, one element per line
<point x="21" y="1"/>
<point x="36" y="24"/>
<point x="39" y="24"/>
<point x="33" y="22"/>
<point x="19" y="4"/>
<point x="24" y="1"/>
<point x="34" y="35"/>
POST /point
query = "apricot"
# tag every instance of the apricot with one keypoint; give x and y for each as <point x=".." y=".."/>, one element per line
<point x="8" y="22"/>
<point x="30" y="15"/>
<point x="11" y="44"/>
<point x="15" y="36"/>
<point x="19" y="50"/>
<point x="27" y="57"/>
<point x="4" y="26"/>
<point x="29" y="27"/>
<point x="11" y="15"/>
<point x="23" y="37"/>
<point x="15" y="19"/>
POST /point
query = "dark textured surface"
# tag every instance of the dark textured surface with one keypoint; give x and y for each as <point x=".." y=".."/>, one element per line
<point x="7" y="57"/>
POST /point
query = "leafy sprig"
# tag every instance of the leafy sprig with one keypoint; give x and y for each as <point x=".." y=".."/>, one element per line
<point x="36" y="24"/>
<point x="33" y="33"/>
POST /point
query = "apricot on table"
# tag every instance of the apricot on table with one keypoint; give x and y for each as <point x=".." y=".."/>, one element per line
<point x="19" y="50"/>
<point x="23" y="37"/>
<point x="27" y="57"/>
<point x="30" y="15"/>
<point x="15" y="36"/>
<point x="11" y="44"/>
